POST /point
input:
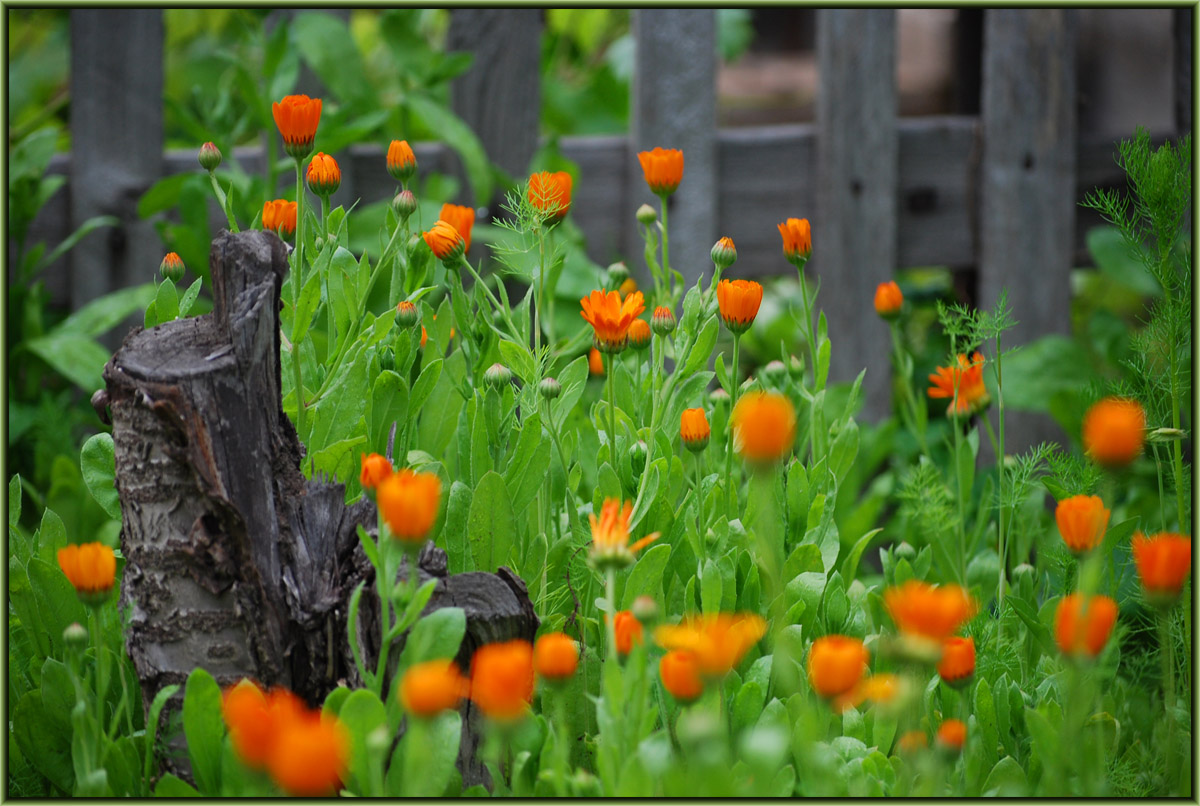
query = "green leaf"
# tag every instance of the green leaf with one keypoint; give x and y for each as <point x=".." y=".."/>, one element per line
<point x="646" y="576"/>
<point x="702" y="349"/>
<point x="189" y="297"/>
<point x="14" y="500"/>
<point x="458" y="550"/>
<point x="76" y="357"/>
<point x="75" y="237"/>
<point x="101" y="315"/>
<point x="710" y="589"/>
<point x="459" y="136"/>
<point x="306" y="308"/>
<point x="44" y="738"/>
<point x="1006" y="780"/>
<point x="519" y="359"/>
<point x="204" y="729"/>
<point x="327" y="45"/>
<point x="491" y="524"/>
<point x="437" y="635"/>
<point x="171" y="786"/>
<point x="98" y="463"/>
<point x="58" y="606"/>
<point x="425" y="384"/>
<point x="166" y="302"/>
<point x="362" y="713"/>
<point x="336" y="415"/>
<point x="850" y="564"/>
<point x="156" y="707"/>
<point x="389" y="404"/>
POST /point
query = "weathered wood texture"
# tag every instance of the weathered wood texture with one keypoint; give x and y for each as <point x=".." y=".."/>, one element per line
<point x="1027" y="179"/>
<point x="855" y="221"/>
<point x="234" y="561"/>
<point x="1183" y="57"/>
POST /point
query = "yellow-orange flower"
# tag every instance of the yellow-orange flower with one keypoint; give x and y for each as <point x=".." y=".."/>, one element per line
<point x="297" y="117"/>
<point x="310" y="755"/>
<point x="628" y="631"/>
<point x="693" y="429"/>
<point x="663" y="169"/>
<point x="1163" y="563"/>
<point x="888" y="299"/>
<point x="611" y="318"/>
<point x="881" y="688"/>
<point x="719" y="641"/>
<point x="610" y="536"/>
<point x="401" y="161"/>
<point x="639" y="334"/>
<point x="1082" y="625"/>
<point x="738" y="301"/>
<point x="409" y="503"/>
<point x="972" y="394"/>
<point x="764" y="427"/>
<point x="324" y="176"/>
<point x="1114" y="430"/>
<point x="91" y="568"/>
<point x="429" y="688"/>
<point x="375" y="468"/>
<point x="797" y="239"/>
<point x="462" y="219"/>
<point x="1082" y="521"/>
<point x="681" y="675"/>
<point x="957" y="665"/>
<point x="256" y="718"/>
<point x="952" y="734"/>
<point x="445" y="242"/>
<point x="550" y="194"/>
<point x="627" y="287"/>
<point x="595" y="362"/>
<point x="555" y="656"/>
<point x="836" y="664"/>
<point x="911" y="742"/>
<point x="502" y="679"/>
<point x="279" y="216"/>
<point x="921" y="609"/>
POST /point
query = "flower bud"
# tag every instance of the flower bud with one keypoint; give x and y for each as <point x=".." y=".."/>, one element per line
<point x="172" y="267"/>
<point x="637" y="456"/>
<point x="210" y="157"/>
<point x="663" y="321"/>
<point x="401" y="162"/>
<point x="405" y="204"/>
<point x="647" y="215"/>
<point x="75" y="636"/>
<point x="497" y="376"/>
<point x="905" y="551"/>
<point x="639" y="334"/>
<point x="724" y="253"/>
<point x="718" y="397"/>
<point x="387" y="358"/>
<point x="775" y="371"/>
<point x="324" y="175"/>
<point x="796" y="367"/>
<point x="549" y="388"/>
<point x="618" y="273"/>
<point x="406" y="314"/>
<point x="645" y="610"/>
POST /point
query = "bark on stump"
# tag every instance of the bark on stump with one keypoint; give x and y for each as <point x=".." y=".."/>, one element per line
<point x="234" y="562"/>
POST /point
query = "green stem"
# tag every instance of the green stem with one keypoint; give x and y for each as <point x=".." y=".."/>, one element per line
<point x="297" y="281"/>
<point x="491" y="297"/>
<point x="609" y="359"/>
<point x="809" y="332"/>
<point x="223" y="200"/>
<point x="731" y="494"/>
<point x="537" y="327"/>
<point x="910" y="398"/>
<point x="610" y="596"/>
<point x="1177" y="445"/>
<point x="563" y="755"/>
<point x="701" y="543"/>
<point x="666" y="262"/>
<point x="101" y="680"/>
<point x="956" y="427"/>
<point x="1167" y="650"/>
<point x="1000" y="484"/>
<point x="1162" y="498"/>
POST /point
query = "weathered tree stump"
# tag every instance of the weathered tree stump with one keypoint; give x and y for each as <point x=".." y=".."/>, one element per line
<point x="234" y="562"/>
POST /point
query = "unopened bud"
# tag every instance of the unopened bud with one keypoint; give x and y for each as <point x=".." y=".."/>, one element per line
<point x="724" y="253"/>
<point x="639" y="334"/>
<point x="172" y="267"/>
<point x="75" y="636"/>
<point x="405" y="204"/>
<point x="796" y="367"/>
<point x="645" y="610"/>
<point x="497" y="376"/>
<point x="905" y="551"/>
<point x="1166" y="435"/>
<point x="775" y="371"/>
<point x="406" y="314"/>
<point x="647" y="215"/>
<point x="637" y="456"/>
<point x="549" y="388"/>
<point x="718" y="397"/>
<point x="618" y="273"/>
<point x="209" y="157"/>
<point x="663" y="321"/>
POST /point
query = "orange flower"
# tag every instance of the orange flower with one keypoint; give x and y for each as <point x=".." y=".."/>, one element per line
<point x="888" y="300"/>
<point x="611" y="318"/>
<point x="972" y="394"/>
<point x="681" y="676"/>
<point x="172" y="267"/>
<point x="719" y="641"/>
<point x="911" y="742"/>
<point x="429" y="688"/>
<point x="628" y="631"/>
<point x="610" y="536"/>
<point x="375" y="468"/>
<point x="424" y="336"/>
<point x="279" y="216"/>
<point x="1082" y="626"/>
<point x="502" y="679"/>
<point x="639" y="334"/>
<point x="550" y="193"/>
<point x="1082" y="521"/>
<point x="310" y="755"/>
<point x="663" y="168"/>
<point x="595" y="362"/>
<point x="764" y="427"/>
<point x="445" y="242"/>
<point x="920" y="609"/>
<point x="881" y="688"/>
<point x="1163" y="563"/>
<point x="91" y="568"/>
<point x="462" y="219"/>
<point x="1114" y="430"/>
<point x="555" y="656"/>
<point x="952" y="735"/>
<point x="957" y="666"/>
<point x="324" y="176"/>
<point x="256" y="718"/>
<point x="738" y="301"/>
<point x="409" y="503"/>
<point x="627" y="287"/>
<point x="836" y="664"/>
<point x="297" y="117"/>
<point x="401" y="161"/>
<point x="694" y="430"/>
<point x="797" y="239"/>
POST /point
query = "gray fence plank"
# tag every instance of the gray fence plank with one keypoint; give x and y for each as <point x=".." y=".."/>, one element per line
<point x="674" y="105"/>
<point x="855" y="222"/>
<point x="1028" y="191"/>
<point x="117" y="143"/>
<point x="1183" y="42"/>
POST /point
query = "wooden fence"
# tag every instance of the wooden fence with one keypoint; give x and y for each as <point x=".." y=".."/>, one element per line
<point x="994" y="193"/>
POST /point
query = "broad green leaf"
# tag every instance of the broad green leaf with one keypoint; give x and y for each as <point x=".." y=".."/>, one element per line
<point x="76" y="357"/>
<point x="328" y="47"/>
<point x="97" y="461"/>
<point x="102" y="315"/>
<point x="204" y="729"/>
<point x="425" y="384"/>
<point x="491" y="524"/>
<point x="850" y="564"/>
<point x="166" y="302"/>
<point x="646" y="576"/>
<point x="702" y="349"/>
<point x="306" y="307"/>
<point x="458" y="550"/>
<point x="435" y="636"/>
<point x="58" y="605"/>
<point x="710" y="589"/>
<point x="388" y="405"/>
<point x="189" y="297"/>
<point x="362" y="713"/>
<point x="45" y="740"/>
<point x="14" y="500"/>
<point x="171" y="786"/>
<point x="1006" y="780"/>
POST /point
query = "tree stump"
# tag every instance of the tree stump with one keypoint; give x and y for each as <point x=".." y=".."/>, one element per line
<point x="234" y="562"/>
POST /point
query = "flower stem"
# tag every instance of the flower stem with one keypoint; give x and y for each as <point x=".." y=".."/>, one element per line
<point x="297" y="281"/>
<point x="666" y="261"/>
<point x="1167" y="650"/>
<point x="1003" y="546"/>
<point x="731" y="496"/>
<point x="955" y="426"/>
<point x="610" y="359"/>
<point x="610" y="596"/>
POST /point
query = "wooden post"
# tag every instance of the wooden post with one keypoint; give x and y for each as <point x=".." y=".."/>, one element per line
<point x="1183" y="39"/>
<point x="1027" y="181"/>
<point x="674" y="104"/>
<point x="116" y="144"/>
<point x="855" y="223"/>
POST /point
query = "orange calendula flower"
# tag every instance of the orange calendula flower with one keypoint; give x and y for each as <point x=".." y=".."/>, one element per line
<point x="764" y="427"/>
<point x="888" y="300"/>
<point x="738" y="301"/>
<point x="595" y="362"/>
<point x="1114" y="430"/>
<point x="1163" y="563"/>
<point x="401" y="161"/>
<point x="611" y="318"/>
<point x="610" y="536"/>
<point x="550" y="194"/>
<point x="797" y="239"/>
<point x="324" y="176"/>
<point x="881" y="688"/>
<point x="921" y="609"/>
<point x="555" y="656"/>
<point x="409" y="502"/>
<point x="719" y="641"/>
<point x="681" y="675"/>
<point x="663" y="169"/>
<point x="957" y="665"/>
<point x="968" y="377"/>
<point x="311" y="755"/>
<point x="836" y="664"/>
<point x="375" y="469"/>
<point x="256" y="718"/>
<point x="628" y="631"/>
<point x="279" y="216"/>
<point x="1082" y="624"/>
<point x="462" y="218"/>
<point x="1082" y="521"/>
<point x="297" y="117"/>
<point x="911" y="742"/>
<point x="429" y="688"/>
<point x="502" y="679"/>
<point x="445" y="242"/>
<point x="639" y="334"/>
<point x="952" y="735"/>
<point x="694" y="430"/>
<point x="91" y="568"/>
<point x="627" y="287"/>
